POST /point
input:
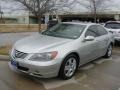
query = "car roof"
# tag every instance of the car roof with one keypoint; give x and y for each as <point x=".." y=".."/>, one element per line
<point x="80" y="23"/>
<point x="113" y="22"/>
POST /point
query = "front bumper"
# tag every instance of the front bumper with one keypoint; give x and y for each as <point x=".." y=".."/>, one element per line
<point x="37" y="69"/>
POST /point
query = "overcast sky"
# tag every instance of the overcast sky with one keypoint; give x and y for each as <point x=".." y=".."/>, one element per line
<point x="8" y="7"/>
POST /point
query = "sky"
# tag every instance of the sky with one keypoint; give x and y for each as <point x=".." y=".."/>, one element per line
<point x="11" y="8"/>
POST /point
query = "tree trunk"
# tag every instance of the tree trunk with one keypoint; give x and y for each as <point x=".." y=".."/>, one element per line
<point x="39" y="23"/>
<point x="95" y="17"/>
<point x="95" y="11"/>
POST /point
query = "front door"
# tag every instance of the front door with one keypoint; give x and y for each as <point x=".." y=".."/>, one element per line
<point x="90" y="49"/>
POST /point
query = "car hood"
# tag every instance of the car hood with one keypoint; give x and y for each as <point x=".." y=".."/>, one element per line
<point x="38" y="43"/>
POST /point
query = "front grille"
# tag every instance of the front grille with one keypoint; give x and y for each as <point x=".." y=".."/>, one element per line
<point x="18" y="54"/>
<point x="22" y="68"/>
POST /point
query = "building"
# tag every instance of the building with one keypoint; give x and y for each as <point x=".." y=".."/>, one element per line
<point x="84" y="16"/>
<point x="25" y="17"/>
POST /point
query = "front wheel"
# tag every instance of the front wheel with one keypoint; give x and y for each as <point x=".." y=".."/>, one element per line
<point x="68" y="67"/>
<point x="109" y="52"/>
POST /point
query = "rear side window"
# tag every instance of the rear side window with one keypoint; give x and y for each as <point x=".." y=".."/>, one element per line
<point x="101" y="30"/>
<point x="92" y="31"/>
<point x="113" y="25"/>
<point x="96" y="31"/>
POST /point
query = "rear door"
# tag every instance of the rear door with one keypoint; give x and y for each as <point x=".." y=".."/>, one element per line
<point x="103" y="40"/>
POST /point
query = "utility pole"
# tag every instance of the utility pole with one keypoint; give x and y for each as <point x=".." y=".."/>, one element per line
<point x="1" y="15"/>
<point x="29" y="15"/>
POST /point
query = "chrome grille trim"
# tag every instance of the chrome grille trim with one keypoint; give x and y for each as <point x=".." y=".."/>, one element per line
<point x="18" y="54"/>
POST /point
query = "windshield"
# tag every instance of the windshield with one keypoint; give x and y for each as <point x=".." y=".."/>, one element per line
<point x="71" y="31"/>
<point x="113" y="25"/>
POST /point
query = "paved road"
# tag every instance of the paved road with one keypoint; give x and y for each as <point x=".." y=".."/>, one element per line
<point x="102" y="74"/>
<point x="11" y="38"/>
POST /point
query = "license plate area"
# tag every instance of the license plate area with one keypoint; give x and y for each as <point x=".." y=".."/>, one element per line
<point x="14" y="63"/>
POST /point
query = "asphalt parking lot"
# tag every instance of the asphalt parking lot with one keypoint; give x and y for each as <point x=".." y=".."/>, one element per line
<point x="101" y="74"/>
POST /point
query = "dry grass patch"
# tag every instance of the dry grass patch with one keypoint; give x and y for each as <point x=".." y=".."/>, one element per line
<point x="16" y="28"/>
<point x="4" y="50"/>
<point x="116" y="48"/>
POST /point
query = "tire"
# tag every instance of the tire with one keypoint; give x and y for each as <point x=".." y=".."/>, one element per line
<point x="109" y="52"/>
<point x="68" y="67"/>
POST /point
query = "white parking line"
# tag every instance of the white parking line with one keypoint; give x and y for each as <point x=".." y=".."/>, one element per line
<point x="84" y="76"/>
<point x="54" y="83"/>
<point x="100" y="61"/>
<point x="87" y="67"/>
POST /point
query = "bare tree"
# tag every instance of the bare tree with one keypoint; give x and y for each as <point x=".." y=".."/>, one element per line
<point x="1" y="13"/>
<point x="41" y="7"/>
<point x="94" y="6"/>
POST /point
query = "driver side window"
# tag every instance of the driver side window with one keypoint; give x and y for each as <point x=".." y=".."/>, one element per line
<point x="92" y="31"/>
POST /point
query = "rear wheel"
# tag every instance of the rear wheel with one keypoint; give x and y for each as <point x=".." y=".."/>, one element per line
<point x="109" y="52"/>
<point x="68" y="67"/>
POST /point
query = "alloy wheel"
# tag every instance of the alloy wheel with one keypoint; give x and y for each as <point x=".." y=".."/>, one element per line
<point x="70" y="67"/>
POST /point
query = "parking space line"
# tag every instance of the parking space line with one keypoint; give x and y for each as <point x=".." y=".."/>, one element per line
<point x="54" y="83"/>
<point x="87" y="66"/>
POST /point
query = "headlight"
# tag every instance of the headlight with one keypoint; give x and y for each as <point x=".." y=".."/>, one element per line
<point x="44" y="56"/>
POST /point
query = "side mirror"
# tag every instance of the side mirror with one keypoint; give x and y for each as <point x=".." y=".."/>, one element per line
<point x="89" y="38"/>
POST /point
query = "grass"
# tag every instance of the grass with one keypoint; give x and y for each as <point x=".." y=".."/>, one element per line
<point x="17" y="28"/>
<point x="116" y="48"/>
<point x="4" y="50"/>
<point x="16" y="31"/>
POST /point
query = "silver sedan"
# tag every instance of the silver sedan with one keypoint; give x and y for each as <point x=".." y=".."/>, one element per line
<point x="60" y="50"/>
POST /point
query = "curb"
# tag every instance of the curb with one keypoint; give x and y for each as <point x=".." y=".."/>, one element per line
<point x="116" y="51"/>
<point x="4" y="58"/>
